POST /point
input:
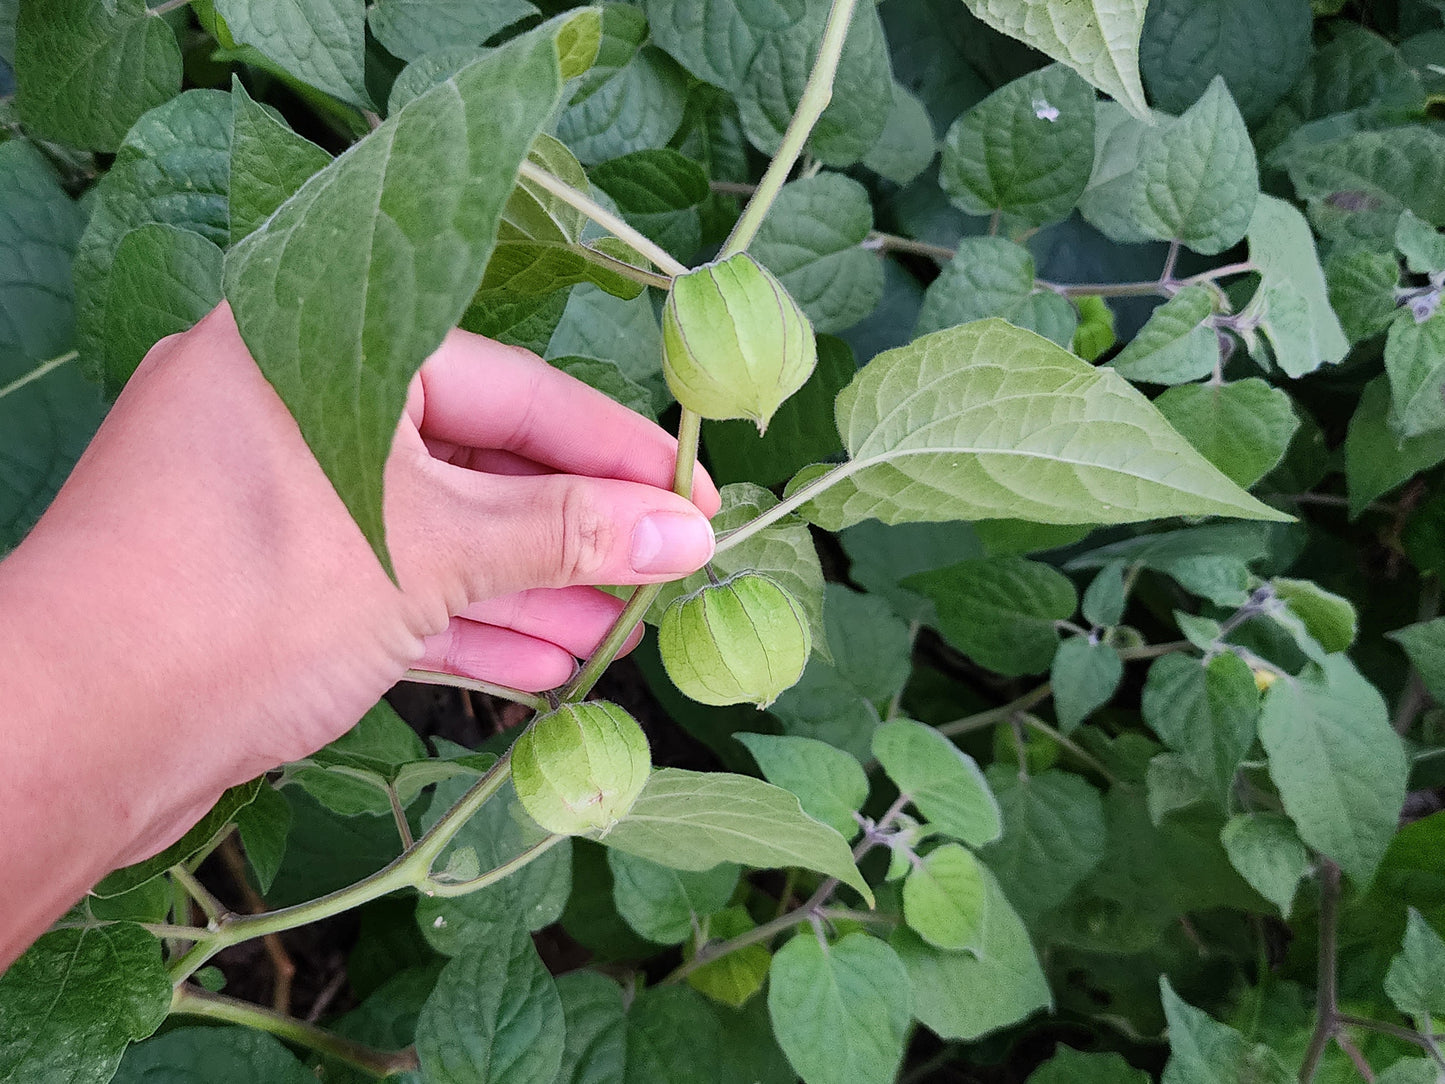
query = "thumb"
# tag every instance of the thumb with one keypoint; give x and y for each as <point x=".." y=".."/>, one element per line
<point x="497" y="534"/>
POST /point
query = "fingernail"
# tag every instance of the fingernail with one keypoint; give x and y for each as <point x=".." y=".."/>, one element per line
<point x="671" y="542"/>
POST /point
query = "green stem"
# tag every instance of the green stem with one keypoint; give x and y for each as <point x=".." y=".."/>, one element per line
<point x="37" y="372"/>
<point x="434" y="887"/>
<point x="166" y="930"/>
<point x="192" y="1001"/>
<point x="208" y="903"/>
<point x="1425" y="1042"/>
<point x="625" y="269"/>
<point x="502" y="692"/>
<point x="817" y="92"/>
<point x="689" y="429"/>
<point x="602" y="216"/>
<point x="1080" y="754"/>
<point x="888" y="242"/>
<point x="167" y="5"/>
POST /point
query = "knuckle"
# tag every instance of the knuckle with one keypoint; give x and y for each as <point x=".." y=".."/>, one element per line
<point x="587" y="538"/>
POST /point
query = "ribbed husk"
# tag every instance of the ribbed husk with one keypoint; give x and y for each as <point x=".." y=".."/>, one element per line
<point x="578" y="769"/>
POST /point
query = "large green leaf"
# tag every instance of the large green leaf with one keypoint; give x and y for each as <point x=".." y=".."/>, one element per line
<point x="494" y="1015"/>
<point x="1416" y="979"/>
<point x="1293" y="301"/>
<point x="1205" y="712"/>
<point x="269" y="162"/>
<point x="944" y="896"/>
<point x="1242" y="427"/>
<point x="76" y="999"/>
<point x="320" y="42"/>
<point x="908" y="144"/>
<point x="716" y="40"/>
<point x="694" y="820"/>
<point x="1204" y="1051"/>
<point x="1415" y="364"/>
<point x="88" y="69"/>
<point x="357" y="278"/>
<point x="1099" y="39"/>
<point x="668" y="905"/>
<point x="1425" y="644"/>
<point x="988" y="421"/>
<point x="409" y="28"/>
<point x="1376" y="458"/>
<point x="941" y="781"/>
<point x="1085" y="674"/>
<point x="811" y="240"/>
<point x="841" y="1011"/>
<point x="233" y="1055"/>
<point x="1177" y="345"/>
<point x="1267" y="852"/>
<point x="991" y="276"/>
<point x="660" y="192"/>
<point x="1339" y="766"/>
<point x="830" y="784"/>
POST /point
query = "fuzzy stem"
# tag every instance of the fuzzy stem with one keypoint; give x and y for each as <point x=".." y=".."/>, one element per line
<point x="167" y="5"/>
<point x="817" y="93"/>
<point x="517" y="696"/>
<point x="37" y="372"/>
<point x="193" y="1001"/>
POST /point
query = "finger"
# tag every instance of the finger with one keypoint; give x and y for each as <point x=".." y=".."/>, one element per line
<point x="501" y="656"/>
<point x="574" y="618"/>
<point x="482" y="394"/>
<point x="486" y="460"/>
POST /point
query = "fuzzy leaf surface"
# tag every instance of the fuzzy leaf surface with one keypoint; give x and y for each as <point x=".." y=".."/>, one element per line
<point x="1242" y="427"/>
<point x="942" y="781"/>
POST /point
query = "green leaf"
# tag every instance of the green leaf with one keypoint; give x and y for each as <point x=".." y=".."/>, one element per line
<point x="1410" y="1071"/>
<point x="1267" y="851"/>
<point x="320" y="42"/>
<point x="1425" y="644"/>
<point x="533" y="213"/>
<point x="1099" y="39"/>
<point x="667" y="905"/>
<point x="1416" y="979"/>
<point x="800" y="433"/>
<point x="162" y="280"/>
<point x="944" y="897"/>
<point x="1338" y="764"/>
<point x="226" y="1055"/>
<point x="830" y="784"/>
<point x="907" y="145"/>
<point x="348" y="775"/>
<point x="733" y="979"/>
<point x="1259" y="47"/>
<point x="862" y="98"/>
<point x="840" y="1012"/>
<point x="269" y="162"/>
<point x="981" y="453"/>
<point x="673" y="1034"/>
<point x="1177" y="345"/>
<point x="694" y="820"/>
<point x="1068" y="1066"/>
<point x="1053" y="836"/>
<point x="1242" y="427"/>
<point x="88" y="69"/>
<point x="659" y="192"/>
<point x="528" y="268"/>
<point x="940" y="780"/>
<point x="1004" y="978"/>
<point x="1104" y="598"/>
<point x="631" y="99"/>
<point x="1204" y="1051"/>
<point x="1025" y="151"/>
<point x="1171" y="786"/>
<point x="494" y="1015"/>
<point x="1085" y="674"/>
<point x="596" y="1031"/>
<point x="716" y="40"/>
<point x="1415" y="364"/>
<point x="611" y="381"/>
<point x="354" y="281"/>
<point x="991" y="276"/>
<point x="1000" y="611"/>
<point x="427" y="70"/>
<point x="173" y="169"/>
<point x="1328" y="618"/>
<point x="264" y="826"/>
<point x="1205" y="712"/>
<point x="73" y="1002"/>
<point x="224" y="812"/>
<point x="598" y="325"/>
<point x="1096" y="334"/>
<point x="1420" y="243"/>
<point x="812" y="241"/>
<point x="1362" y="285"/>
<point x="1376" y="460"/>
<point x="1293" y="300"/>
<point x="409" y="28"/>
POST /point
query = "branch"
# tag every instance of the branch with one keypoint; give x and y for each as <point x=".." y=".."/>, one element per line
<point x="37" y="372"/>
<point x="517" y="696"/>
<point x="1327" y="1010"/>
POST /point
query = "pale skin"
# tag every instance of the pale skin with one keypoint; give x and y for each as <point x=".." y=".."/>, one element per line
<point x="197" y="607"/>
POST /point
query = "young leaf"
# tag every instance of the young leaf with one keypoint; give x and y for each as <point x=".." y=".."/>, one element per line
<point x="840" y="1012"/>
<point x="1005" y="975"/>
<point x="1103" y="602"/>
<point x="1420" y="243"/>
<point x="1000" y="611"/>
<point x="980" y="453"/>
<point x="717" y="40"/>
<point x="694" y="820"/>
<point x="1204" y="1051"/>
<point x="494" y="1015"/>
<point x="1362" y="284"/>
<point x="269" y="162"/>
<point x="1376" y="459"/>
<point x="830" y="784"/>
<point x="733" y="979"/>
<point x="1096" y="334"/>
<point x="1099" y="39"/>
<point x="1026" y="151"/>
<point x="1425" y="644"/>
<point x="263" y="826"/>
<point x="1068" y="1066"/>
<point x="225" y="1055"/>
<point x="1053" y="836"/>
<point x="944" y="897"/>
<point x="1326" y="617"/>
<point x="73" y="1002"/>
<point x="1242" y="427"/>
<point x="410" y="28"/>
<point x="1415" y="364"/>
<point x="1338" y="764"/>
<point x="1205" y="712"/>
<point x="88" y="69"/>
<point x="1085" y="674"/>
<point x="1267" y="851"/>
<point x="940" y="780"/>
<point x="320" y="42"/>
<point x="991" y="276"/>
<point x="667" y="905"/>
<point x="319" y="328"/>
<point x="811" y="240"/>
<point x="1416" y="979"/>
<point x="1177" y="345"/>
<point x="1293" y="297"/>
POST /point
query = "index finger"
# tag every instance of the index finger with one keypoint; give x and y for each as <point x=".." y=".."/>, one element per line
<point x="479" y="393"/>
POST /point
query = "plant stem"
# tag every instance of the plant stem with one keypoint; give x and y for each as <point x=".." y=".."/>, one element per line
<point x="208" y="903"/>
<point x="1425" y="1042"/>
<point x="433" y="887"/>
<point x="37" y="372"/>
<point x="167" y="5"/>
<point x="502" y="692"/>
<point x="602" y="216"/>
<point x="1080" y="754"/>
<point x="817" y="92"/>
<point x="625" y="269"/>
<point x="888" y="242"/>
<point x="1327" y="1000"/>
<point x="193" y="1001"/>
